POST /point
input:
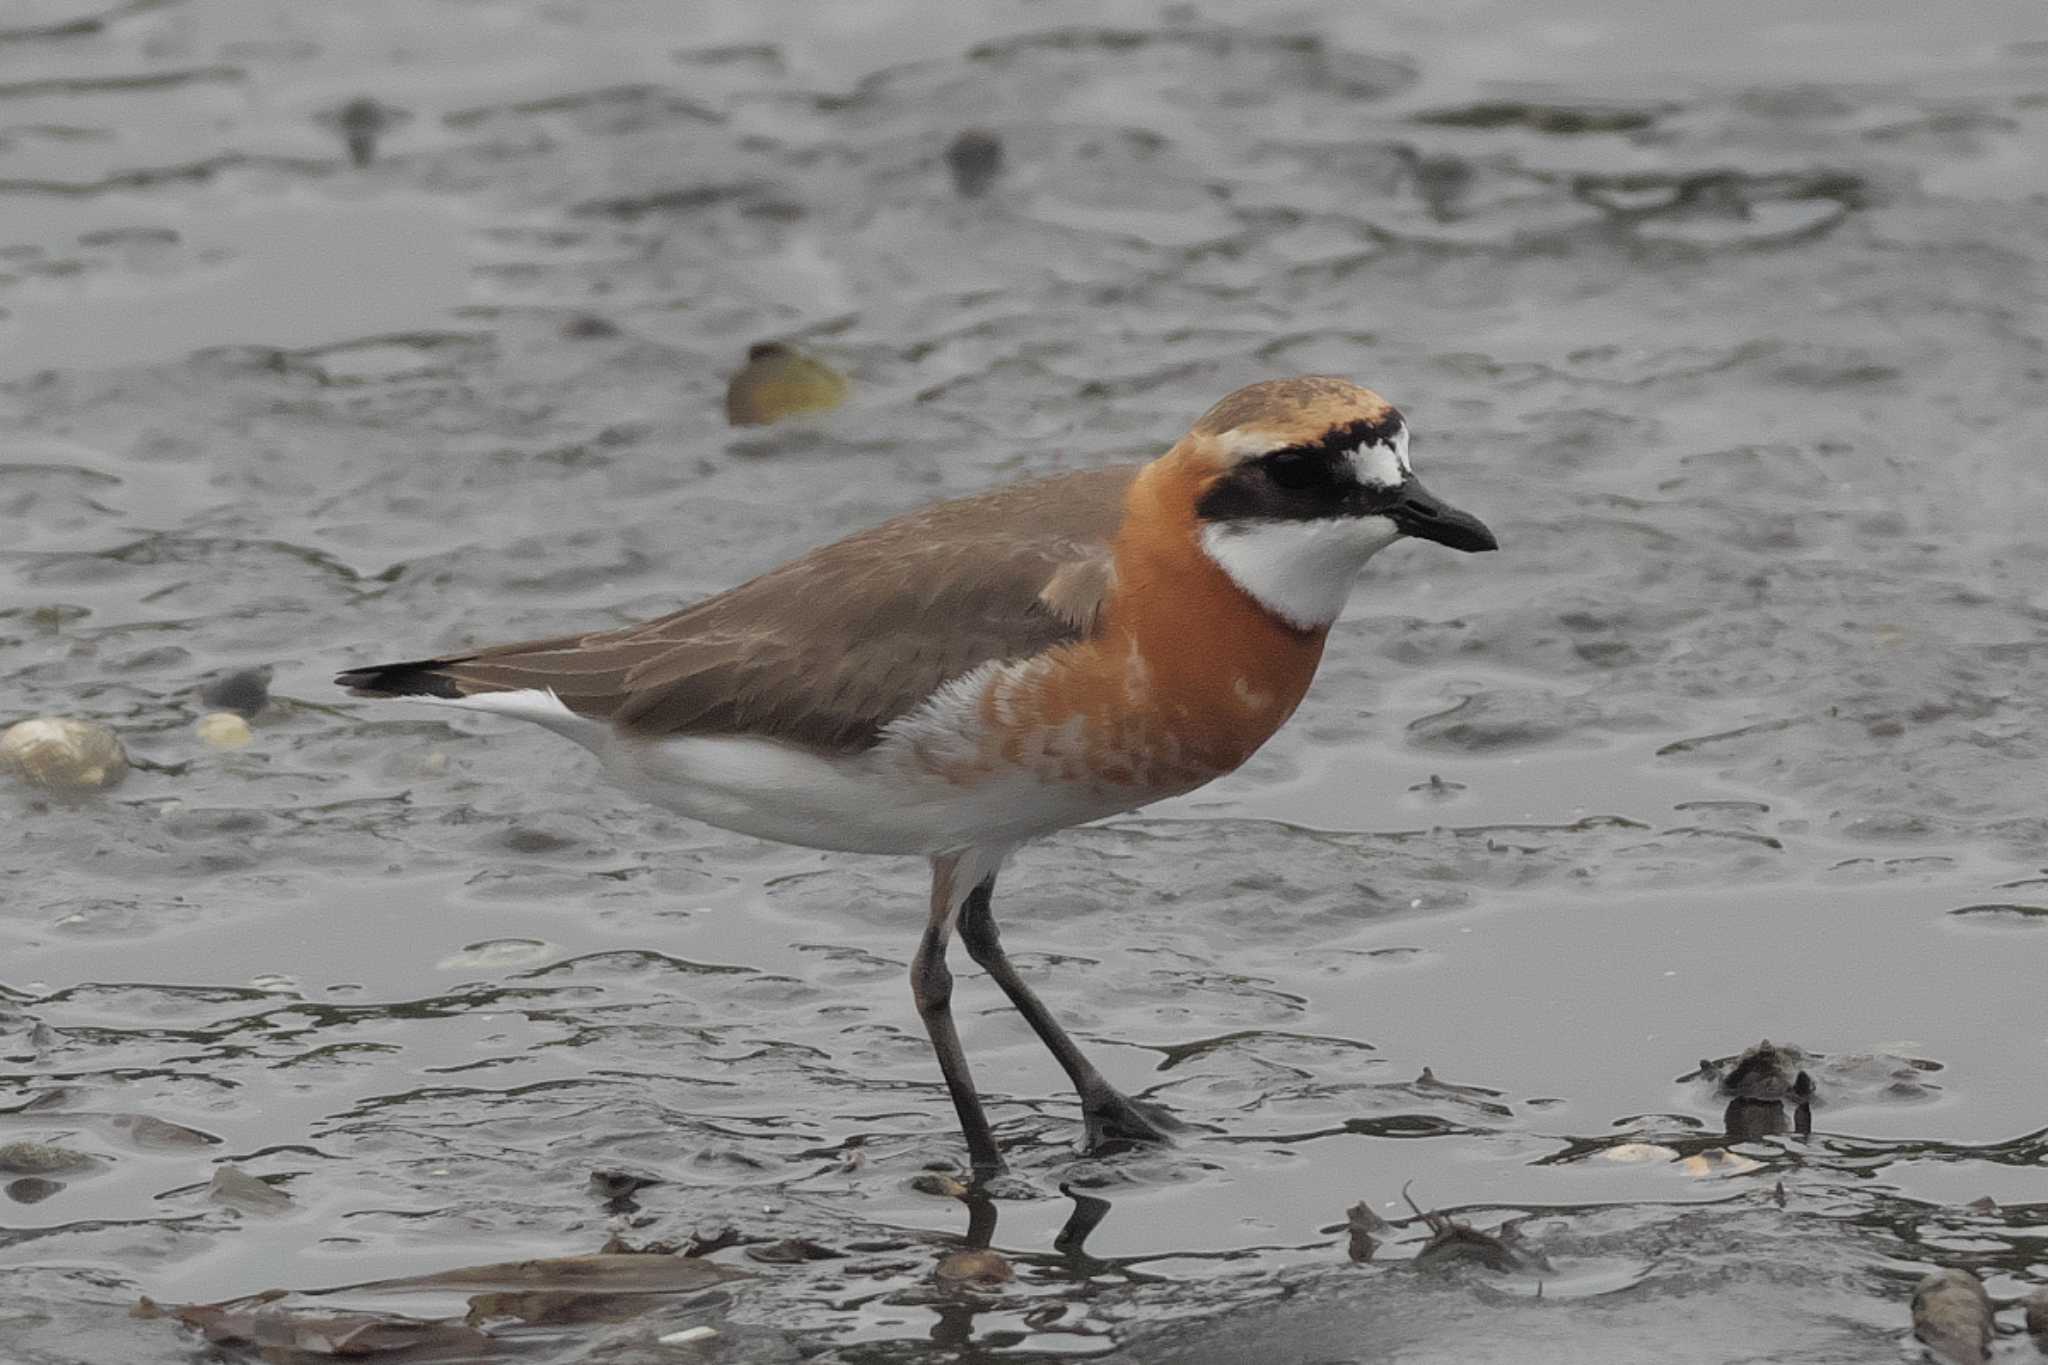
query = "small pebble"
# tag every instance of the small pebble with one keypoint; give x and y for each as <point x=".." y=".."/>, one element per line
<point x="245" y="690"/>
<point x="588" y="326"/>
<point x="975" y="159"/>
<point x="362" y="123"/>
<point x="687" y="1335"/>
<point x="972" y="1269"/>
<point x="780" y="381"/>
<point x="61" y="754"/>
<point x="1952" y="1317"/>
<point x="224" y="730"/>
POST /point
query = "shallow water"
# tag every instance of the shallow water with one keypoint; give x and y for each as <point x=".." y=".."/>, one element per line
<point x="1734" y="333"/>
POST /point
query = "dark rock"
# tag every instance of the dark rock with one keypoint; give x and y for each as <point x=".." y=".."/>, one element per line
<point x="32" y="1189"/>
<point x="974" y="159"/>
<point x="245" y="691"/>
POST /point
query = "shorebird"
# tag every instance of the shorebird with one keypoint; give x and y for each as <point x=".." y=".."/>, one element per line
<point x="966" y="677"/>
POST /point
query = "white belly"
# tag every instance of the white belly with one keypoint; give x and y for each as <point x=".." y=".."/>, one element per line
<point x="892" y="798"/>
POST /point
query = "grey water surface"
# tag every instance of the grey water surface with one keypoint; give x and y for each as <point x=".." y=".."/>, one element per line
<point x="1732" y="320"/>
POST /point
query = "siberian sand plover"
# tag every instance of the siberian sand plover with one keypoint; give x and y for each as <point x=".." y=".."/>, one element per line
<point x="984" y="671"/>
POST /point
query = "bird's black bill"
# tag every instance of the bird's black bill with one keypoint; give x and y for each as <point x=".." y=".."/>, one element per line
<point x="1420" y="513"/>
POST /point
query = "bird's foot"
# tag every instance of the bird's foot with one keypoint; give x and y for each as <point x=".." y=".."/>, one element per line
<point x="1116" y="1122"/>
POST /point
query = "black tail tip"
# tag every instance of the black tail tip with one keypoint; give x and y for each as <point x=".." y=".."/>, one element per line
<point x="419" y="678"/>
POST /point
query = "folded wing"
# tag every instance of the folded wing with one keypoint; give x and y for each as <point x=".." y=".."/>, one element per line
<point x="828" y="649"/>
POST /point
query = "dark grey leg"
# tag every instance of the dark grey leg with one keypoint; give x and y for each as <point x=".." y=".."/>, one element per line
<point x="931" y="985"/>
<point x="1113" y="1119"/>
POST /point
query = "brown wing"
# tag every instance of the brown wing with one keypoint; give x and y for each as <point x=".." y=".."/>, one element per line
<point x="828" y="649"/>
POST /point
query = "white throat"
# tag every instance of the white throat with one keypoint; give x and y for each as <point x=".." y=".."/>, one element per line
<point x="1301" y="571"/>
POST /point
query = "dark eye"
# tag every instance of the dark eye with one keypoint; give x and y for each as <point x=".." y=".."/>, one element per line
<point x="1297" y="472"/>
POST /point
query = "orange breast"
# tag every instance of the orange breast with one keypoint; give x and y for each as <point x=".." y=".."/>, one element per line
<point x="1187" y="677"/>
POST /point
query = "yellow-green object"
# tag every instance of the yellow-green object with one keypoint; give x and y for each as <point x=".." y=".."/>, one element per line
<point x="61" y="754"/>
<point x="780" y="381"/>
<point x="225" y="730"/>
<point x="973" y="1269"/>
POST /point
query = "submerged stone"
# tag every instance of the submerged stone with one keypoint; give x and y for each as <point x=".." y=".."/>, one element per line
<point x="41" y="1159"/>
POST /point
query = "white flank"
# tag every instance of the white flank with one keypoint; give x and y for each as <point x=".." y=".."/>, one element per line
<point x="933" y="785"/>
<point x="768" y="789"/>
<point x="1301" y="571"/>
<point x="539" y="705"/>
<point x="893" y="798"/>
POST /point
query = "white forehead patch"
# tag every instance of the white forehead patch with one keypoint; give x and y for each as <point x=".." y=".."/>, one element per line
<point x="1301" y="571"/>
<point x="1385" y="463"/>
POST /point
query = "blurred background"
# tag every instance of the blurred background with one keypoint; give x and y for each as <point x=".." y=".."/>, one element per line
<point x="336" y="333"/>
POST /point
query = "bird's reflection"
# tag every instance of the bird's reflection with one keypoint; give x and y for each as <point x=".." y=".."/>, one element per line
<point x="1089" y="1211"/>
<point x="1752" y="1118"/>
<point x="956" y="1312"/>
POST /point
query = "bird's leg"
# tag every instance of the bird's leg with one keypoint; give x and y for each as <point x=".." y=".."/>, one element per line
<point x="931" y="985"/>
<point x="1112" y="1118"/>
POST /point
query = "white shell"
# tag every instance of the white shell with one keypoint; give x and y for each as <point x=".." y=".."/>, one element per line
<point x="62" y="754"/>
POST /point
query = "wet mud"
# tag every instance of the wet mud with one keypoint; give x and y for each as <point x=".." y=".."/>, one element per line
<point x="331" y="335"/>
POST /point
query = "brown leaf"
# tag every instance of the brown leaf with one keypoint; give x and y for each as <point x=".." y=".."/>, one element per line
<point x="1451" y="1242"/>
<point x="558" y="1291"/>
<point x="299" y="1335"/>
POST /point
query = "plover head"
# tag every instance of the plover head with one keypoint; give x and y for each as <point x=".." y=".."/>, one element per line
<point x="1303" y="480"/>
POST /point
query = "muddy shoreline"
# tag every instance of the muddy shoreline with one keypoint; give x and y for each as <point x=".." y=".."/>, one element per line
<point x="1734" y="332"/>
